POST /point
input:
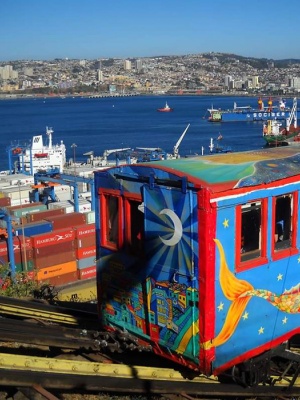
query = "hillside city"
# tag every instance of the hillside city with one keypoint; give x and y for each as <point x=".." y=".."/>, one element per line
<point x="207" y="73"/>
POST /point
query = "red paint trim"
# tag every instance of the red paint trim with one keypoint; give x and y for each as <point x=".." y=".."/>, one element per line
<point x="256" y="352"/>
<point x="278" y="254"/>
<point x="256" y="262"/>
<point x="103" y="219"/>
<point x="206" y="277"/>
<point x="127" y="213"/>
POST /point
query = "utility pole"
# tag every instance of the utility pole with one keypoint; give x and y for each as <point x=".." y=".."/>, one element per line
<point x="73" y="146"/>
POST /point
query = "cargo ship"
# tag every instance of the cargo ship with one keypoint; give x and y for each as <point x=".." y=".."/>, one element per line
<point x="251" y="114"/>
<point x="38" y="156"/>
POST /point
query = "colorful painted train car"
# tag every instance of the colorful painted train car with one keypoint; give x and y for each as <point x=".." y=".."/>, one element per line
<point x="199" y="257"/>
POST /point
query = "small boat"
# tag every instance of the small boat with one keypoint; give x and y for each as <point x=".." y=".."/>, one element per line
<point x="277" y="135"/>
<point x="166" y="108"/>
<point x="218" y="148"/>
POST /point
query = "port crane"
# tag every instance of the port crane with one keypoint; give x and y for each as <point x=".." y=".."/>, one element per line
<point x="176" y="147"/>
<point x="158" y="154"/>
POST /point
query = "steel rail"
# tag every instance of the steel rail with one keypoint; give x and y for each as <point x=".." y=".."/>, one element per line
<point x="42" y="311"/>
<point x="136" y="384"/>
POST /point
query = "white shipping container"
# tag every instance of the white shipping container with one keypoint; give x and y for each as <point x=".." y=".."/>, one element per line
<point x="83" y="205"/>
<point x="62" y="188"/>
<point x="64" y="196"/>
<point x="23" y="179"/>
<point x="90" y="217"/>
<point x="17" y="202"/>
<point x="86" y="195"/>
<point x="17" y="192"/>
<point x="66" y="205"/>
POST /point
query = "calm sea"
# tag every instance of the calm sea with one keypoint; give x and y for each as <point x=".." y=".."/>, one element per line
<point x="108" y="123"/>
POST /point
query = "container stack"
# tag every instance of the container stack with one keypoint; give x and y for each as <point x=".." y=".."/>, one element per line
<point x="52" y="243"/>
<point x="55" y="257"/>
<point x="85" y="243"/>
<point x="53" y="247"/>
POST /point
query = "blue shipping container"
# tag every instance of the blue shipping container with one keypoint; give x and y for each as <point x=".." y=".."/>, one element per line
<point x="34" y="228"/>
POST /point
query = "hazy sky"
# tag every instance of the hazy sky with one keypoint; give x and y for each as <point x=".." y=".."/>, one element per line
<point x="48" y="29"/>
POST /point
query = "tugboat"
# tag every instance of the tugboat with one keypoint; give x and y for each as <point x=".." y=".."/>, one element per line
<point x="166" y="108"/>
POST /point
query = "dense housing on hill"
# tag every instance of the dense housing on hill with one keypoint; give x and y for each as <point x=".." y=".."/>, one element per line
<point x="193" y="73"/>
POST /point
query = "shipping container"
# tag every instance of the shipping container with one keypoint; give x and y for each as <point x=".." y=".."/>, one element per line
<point x="22" y="179"/>
<point x="86" y="262"/>
<point x="10" y="209"/>
<point x="33" y="217"/>
<point x="65" y="205"/>
<point x="55" y="248"/>
<point x="33" y="228"/>
<point x="83" y="205"/>
<point x="61" y="280"/>
<point x="67" y="220"/>
<point x="87" y="273"/>
<point x="17" y="192"/>
<point x="19" y="243"/>
<point x="24" y="267"/>
<point x="58" y="236"/>
<point x="84" y="230"/>
<point x="22" y="256"/>
<point x="56" y="270"/>
<point x="86" y="252"/>
<point x="22" y="211"/>
<point x="90" y="217"/>
<point x="5" y="201"/>
<point x="53" y="259"/>
<point x="87" y="241"/>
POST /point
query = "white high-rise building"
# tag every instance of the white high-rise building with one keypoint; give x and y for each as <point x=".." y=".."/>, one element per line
<point x="254" y="80"/>
<point x="6" y="72"/>
<point x="294" y="83"/>
<point x="138" y="65"/>
<point x="227" y="81"/>
<point x="99" y="75"/>
<point x="127" y="65"/>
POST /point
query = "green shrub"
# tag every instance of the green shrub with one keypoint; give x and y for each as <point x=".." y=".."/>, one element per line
<point x="21" y="285"/>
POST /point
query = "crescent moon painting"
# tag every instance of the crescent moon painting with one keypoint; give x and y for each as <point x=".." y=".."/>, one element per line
<point x="177" y="235"/>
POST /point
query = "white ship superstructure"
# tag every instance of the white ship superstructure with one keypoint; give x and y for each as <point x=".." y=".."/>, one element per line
<point x="40" y="157"/>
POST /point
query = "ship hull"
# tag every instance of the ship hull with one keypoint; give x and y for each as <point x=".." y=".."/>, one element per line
<point x="165" y="109"/>
<point x="247" y="116"/>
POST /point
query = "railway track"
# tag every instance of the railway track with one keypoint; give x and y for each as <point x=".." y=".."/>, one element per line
<point x="58" y="349"/>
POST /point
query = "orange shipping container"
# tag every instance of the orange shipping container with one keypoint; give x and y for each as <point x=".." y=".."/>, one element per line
<point x="54" y="259"/>
<point x="56" y="270"/>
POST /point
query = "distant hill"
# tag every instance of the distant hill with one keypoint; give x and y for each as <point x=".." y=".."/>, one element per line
<point x="259" y="63"/>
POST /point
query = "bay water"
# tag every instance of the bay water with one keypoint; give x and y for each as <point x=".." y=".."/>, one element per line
<point x="98" y="124"/>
